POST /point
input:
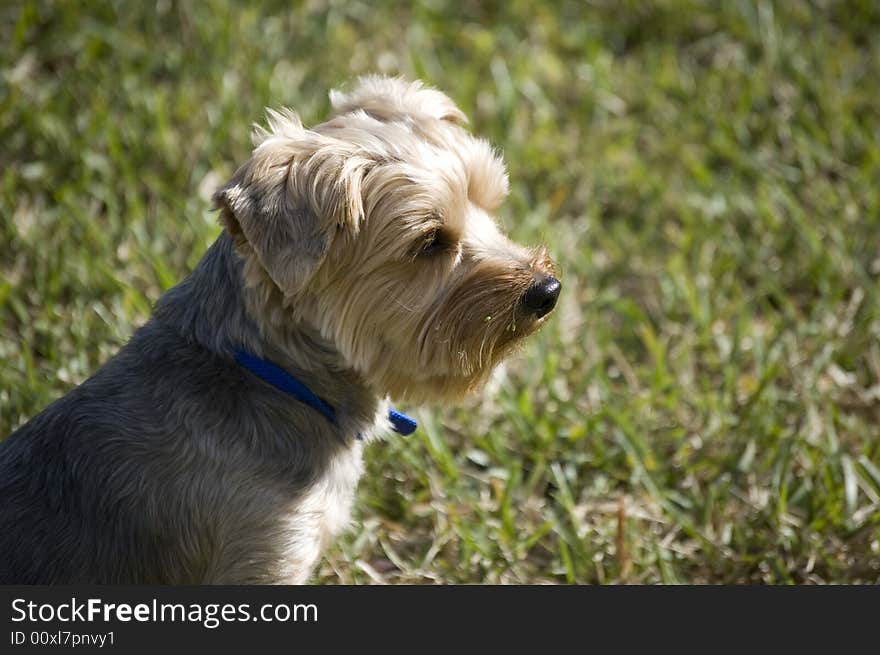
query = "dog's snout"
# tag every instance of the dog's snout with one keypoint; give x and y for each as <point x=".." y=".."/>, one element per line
<point x="541" y="296"/>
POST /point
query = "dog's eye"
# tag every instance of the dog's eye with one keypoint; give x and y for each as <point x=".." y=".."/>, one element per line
<point x="432" y="243"/>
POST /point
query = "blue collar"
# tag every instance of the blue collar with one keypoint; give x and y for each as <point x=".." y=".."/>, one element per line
<point x="281" y="379"/>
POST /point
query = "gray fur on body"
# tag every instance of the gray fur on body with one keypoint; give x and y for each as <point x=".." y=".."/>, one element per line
<point x="172" y="464"/>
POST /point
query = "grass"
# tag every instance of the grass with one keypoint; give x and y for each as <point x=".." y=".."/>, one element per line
<point x="704" y="406"/>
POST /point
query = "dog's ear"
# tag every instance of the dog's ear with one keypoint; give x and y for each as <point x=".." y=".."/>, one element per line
<point x="290" y="200"/>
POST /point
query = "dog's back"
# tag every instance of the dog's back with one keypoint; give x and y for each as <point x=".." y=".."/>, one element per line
<point x="173" y="465"/>
<point x="166" y="467"/>
<point x="73" y="499"/>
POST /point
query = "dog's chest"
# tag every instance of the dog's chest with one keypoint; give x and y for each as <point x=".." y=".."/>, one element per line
<point x="320" y="513"/>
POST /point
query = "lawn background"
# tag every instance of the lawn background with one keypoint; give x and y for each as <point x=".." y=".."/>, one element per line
<point x="704" y="404"/>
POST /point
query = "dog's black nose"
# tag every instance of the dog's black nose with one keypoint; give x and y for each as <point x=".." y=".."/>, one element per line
<point x="540" y="298"/>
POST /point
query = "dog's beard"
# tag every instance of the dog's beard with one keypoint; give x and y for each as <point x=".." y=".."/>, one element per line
<point x="449" y="349"/>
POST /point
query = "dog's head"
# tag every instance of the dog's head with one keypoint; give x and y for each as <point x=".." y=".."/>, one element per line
<point x="376" y="228"/>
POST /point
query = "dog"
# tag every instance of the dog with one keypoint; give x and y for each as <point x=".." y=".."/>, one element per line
<point x="359" y="261"/>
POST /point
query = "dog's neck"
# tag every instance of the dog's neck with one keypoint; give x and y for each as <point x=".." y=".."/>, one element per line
<point x="219" y="309"/>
